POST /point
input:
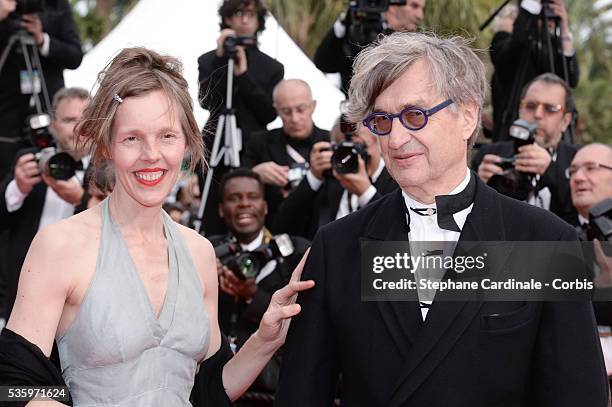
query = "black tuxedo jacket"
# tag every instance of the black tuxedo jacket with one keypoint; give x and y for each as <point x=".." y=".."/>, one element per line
<point x="304" y="211"/>
<point x="22" y="226"/>
<point x="465" y="354"/>
<point x="554" y="178"/>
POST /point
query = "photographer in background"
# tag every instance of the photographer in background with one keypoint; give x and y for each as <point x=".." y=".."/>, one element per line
<point x="330" y="189"/>
<point x="523" y="53"/>
<point x="590" y="176"/>
<point x="255" y="75"/>
<point x="243" y="301"/>
<point x="31" y="199"/>
<point x="280" y="156"/>
<point x="54" y="33"/>
<point x="337" y="50"/>
<point x="547" y="103"/>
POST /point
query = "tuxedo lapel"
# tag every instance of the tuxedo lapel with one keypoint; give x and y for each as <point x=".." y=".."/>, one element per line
<point x="402" y="318"/>
<point x="448" y="320"/>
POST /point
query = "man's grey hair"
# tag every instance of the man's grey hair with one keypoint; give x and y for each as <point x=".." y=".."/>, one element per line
<point x="69" y="93"/>
<point x="456" y="72"/>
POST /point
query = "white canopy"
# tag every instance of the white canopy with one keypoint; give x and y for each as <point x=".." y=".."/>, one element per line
<point x="188" y="28"/>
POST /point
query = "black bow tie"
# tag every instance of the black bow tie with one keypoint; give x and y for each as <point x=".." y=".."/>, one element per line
<point x="447" y="206"/>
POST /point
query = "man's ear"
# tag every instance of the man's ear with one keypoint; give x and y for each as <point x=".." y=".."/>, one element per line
<point x="265" y="207"/>
<point x="567" y="119"/>
<point x="471" y="113"/>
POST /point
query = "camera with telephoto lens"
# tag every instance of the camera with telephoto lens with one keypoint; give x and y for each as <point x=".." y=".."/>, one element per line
<point x="364" y="21"/>
<point x="57" y="164"/>
<point x="345" y="157"/>
<point x="248" y="264"/>
<point x="511" y="182"/>
<point x="231" y="42"/>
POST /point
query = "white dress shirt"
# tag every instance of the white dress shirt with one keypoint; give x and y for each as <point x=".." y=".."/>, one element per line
<point x="426" y="229"/>
<point x="54" y="208"/>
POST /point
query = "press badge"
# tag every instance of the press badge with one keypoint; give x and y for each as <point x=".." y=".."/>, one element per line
<point x="29" y="83"/>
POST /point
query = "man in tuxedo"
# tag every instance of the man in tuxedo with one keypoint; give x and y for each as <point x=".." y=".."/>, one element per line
<point x="460" y="353"/>
<point x="55" y="34"/>
<point x="243" y="301"/>
<point x="31" y="200"/>
<point x="325" y="194"/>
<point x="547" y="102"/>
<point x="280" y="156"/>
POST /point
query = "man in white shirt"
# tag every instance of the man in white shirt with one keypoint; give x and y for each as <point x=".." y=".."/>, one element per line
<point x="31" y="200"/>
<point x="422" y="97"/>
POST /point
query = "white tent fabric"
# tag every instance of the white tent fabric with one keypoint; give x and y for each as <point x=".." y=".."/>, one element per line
<point x="188" y="28"/>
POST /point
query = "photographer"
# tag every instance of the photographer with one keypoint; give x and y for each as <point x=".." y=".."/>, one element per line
<point x="31" y="200"/>
<point x="54" y="33"/>
<point x="326" y="194"/>
<point x="546" y="102"/>
<point x="335" y="53"/>
<point x="522" y="54"/>
<point x="255" y="75"/>
<point x="242" y="301"/>
<point x="280" y="156"/>
<point x="590" y="176"/>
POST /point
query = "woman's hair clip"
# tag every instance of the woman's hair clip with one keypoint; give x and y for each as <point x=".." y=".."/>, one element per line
<point x="117" y="98"/>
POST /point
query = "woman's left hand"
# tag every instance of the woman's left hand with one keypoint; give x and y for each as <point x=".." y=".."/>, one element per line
<point x="275" y="321"/>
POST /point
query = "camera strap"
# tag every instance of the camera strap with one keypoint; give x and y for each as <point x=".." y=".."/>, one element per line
<point x="295" y="156"/>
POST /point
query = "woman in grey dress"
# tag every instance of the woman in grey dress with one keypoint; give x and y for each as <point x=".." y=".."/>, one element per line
<point x="129" y="295"/>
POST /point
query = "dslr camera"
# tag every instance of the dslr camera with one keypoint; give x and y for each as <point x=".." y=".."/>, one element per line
<point x="600" y="223"/>
<point x="511" y="182"/>
<point x="345" y="155"/>
<point x="232" y="42"/>
<point x="57" y="164"/>
<point x="24" y="7"/>
<point x="248" y="264"/>
<point x="364" y="21"/>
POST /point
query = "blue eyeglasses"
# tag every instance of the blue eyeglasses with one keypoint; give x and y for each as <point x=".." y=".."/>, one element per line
<point x="412" y="118"/>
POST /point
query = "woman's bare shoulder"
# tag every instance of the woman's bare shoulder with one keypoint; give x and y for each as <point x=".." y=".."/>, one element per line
<point x="201" y="251"/>
<point x="82" y="229"/>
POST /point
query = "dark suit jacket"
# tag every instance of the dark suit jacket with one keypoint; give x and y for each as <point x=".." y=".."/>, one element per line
<point x="272" y="146"/>
<point x="516" y="52"/>
<point x="304" y="211"/>
<point x="554" y="178"/>
<point x="536" y="354"/>
<point x="331" y="56"/>
<point x="22" y="226"/>
<point x="64" y="53"/>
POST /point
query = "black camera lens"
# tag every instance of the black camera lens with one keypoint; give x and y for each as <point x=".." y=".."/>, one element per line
<point x="345" y="157"/>
<point x="61" y="166"/>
